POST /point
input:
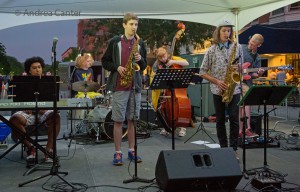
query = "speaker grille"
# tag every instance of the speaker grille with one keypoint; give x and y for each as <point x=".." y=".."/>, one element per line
<point x="197" y="169"/>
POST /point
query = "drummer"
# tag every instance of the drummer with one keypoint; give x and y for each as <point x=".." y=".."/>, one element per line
<point x="84" y="72"/>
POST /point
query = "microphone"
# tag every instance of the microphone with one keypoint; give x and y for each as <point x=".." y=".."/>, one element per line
<point x="55" y="39"/>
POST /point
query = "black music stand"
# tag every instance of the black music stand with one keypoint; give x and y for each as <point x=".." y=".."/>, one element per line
<point x="199" y="80"/>
<point x="172" y="79"/>
<point x="32" y="89"/>
<point x="24" y="90"/>
<point x="265" y="95"/>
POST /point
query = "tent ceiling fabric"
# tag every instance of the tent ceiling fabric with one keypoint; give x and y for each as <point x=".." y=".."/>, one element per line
<point x="15" y="12"/>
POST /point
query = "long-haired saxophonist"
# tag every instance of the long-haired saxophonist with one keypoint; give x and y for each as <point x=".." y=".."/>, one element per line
<point x="219" y="62"/>
<point x="125" y="55"/>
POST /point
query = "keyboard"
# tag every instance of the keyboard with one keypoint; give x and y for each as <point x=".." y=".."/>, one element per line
<point x="70" y="103"/>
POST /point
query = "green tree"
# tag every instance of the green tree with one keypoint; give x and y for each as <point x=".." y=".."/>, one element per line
<point x="72" y="56"/>
<point x="4" y="66"/>
<point x="155" y="32"/>
<point x="16" y="68"/>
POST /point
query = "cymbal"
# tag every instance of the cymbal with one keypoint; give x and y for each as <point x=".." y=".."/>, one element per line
<point x="87" y="86"/>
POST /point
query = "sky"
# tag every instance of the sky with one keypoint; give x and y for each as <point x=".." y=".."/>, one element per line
<point x="36" y="39"/>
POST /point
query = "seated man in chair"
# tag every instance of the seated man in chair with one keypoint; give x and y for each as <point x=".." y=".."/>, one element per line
<point x="22" y="119"/>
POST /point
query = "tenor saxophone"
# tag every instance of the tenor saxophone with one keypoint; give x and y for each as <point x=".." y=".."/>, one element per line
<point x="232" y="77"/>
<point x="131" y="67"/>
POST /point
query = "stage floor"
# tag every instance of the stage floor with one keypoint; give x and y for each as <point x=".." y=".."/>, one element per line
<point x="88" y="164"/>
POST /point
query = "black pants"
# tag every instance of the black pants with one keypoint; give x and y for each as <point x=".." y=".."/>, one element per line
<point x="233" y="112"/>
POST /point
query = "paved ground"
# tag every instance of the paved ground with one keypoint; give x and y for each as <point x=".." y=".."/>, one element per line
<point x="89" y="168"/>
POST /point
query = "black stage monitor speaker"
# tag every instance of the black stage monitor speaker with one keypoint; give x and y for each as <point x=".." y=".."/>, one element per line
<point x="207" y="169"/>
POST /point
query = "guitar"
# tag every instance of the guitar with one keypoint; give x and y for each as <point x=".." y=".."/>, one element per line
<point x="246" y="70"/>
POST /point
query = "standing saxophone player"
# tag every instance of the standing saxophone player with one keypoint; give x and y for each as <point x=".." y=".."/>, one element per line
<point x="123" y="56"/>
<point x="218" y="64"/>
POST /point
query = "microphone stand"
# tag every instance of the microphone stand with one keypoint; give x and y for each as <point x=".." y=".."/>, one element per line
<point x="244" y="120"/>
<point x="71" y="111"/>
<point x="135" y="177"/>
<point x="54" y="170"/>
<point x="201" y="125"/>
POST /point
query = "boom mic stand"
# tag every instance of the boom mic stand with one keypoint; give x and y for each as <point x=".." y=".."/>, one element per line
<point x="201" y="126"/>
<point x="54" y="170"/>
<point x="135" y="176"/>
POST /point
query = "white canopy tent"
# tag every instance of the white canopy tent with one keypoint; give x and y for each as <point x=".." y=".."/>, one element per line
<point x="240" y="12"/>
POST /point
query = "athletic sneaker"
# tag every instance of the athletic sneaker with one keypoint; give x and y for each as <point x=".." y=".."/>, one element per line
<point x="249" y="133"/>
<point x="117" y="159"/>
<point x="131" y="157"/>
<point x="181" y="132"/>
<point x="164" y="132"/>
<point x="48" y="159"/>
<point x="31" y="155"/>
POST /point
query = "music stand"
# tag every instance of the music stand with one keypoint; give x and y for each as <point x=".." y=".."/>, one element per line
<point x="172" y="79"/>
<point x="265" y="95"/>
<point x="24" y="89"/>
<point x="26" y="86"/>
<point x="199" y="80"/>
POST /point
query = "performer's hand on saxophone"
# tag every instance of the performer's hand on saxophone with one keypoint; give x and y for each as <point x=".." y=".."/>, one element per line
<point x="223" y="86"/>
<point x="122" y="71"/>
<point x="137" y="57"/>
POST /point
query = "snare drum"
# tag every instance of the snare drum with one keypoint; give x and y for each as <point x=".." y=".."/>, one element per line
<point x="100" y="117"/>
<point x="98" y="114"/>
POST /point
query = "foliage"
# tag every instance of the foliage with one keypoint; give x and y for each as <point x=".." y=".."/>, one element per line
<point x="155" y="32"/>
<point x="16" y="68"/>
<point x="4" y="66"/>
<point x="72" y="56"/>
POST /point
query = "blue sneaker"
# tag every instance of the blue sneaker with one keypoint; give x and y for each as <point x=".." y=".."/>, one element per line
<point x="131" y="157"/>
<point x="117" y="159"/>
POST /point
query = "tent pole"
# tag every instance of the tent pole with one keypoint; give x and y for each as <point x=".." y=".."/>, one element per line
<point x="236" y="13"/>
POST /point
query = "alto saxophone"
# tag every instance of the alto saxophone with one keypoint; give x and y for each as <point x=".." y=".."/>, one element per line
<point x="126" y="79"/>
<point x="232" y="77"/>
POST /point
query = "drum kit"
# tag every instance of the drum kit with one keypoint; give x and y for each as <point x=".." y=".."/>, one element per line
<point x="97" y="121"/>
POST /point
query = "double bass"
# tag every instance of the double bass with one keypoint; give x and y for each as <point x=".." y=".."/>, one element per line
<point x="181" y="103"/>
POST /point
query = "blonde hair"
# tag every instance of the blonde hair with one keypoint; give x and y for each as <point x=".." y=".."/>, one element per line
<point x="159" y="53"/>
<point x="258" y="38"/>
<point x="80" y="60"/>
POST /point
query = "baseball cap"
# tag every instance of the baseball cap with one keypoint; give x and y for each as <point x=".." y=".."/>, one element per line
<point x="225" y="22"/>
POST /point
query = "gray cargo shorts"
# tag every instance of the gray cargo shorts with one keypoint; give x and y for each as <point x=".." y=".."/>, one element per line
<point x="123" y="105"/>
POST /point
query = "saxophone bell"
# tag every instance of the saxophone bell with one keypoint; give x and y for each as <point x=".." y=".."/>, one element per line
<point x="235" y="77"/>
<point x="136" y="67"/>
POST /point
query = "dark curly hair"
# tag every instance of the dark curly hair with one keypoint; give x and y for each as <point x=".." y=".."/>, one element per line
<point x="32" y="60"/>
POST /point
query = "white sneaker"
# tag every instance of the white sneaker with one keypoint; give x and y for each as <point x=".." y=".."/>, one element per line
<point x="181" y="132"/>
<point x="164" y="132"/>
